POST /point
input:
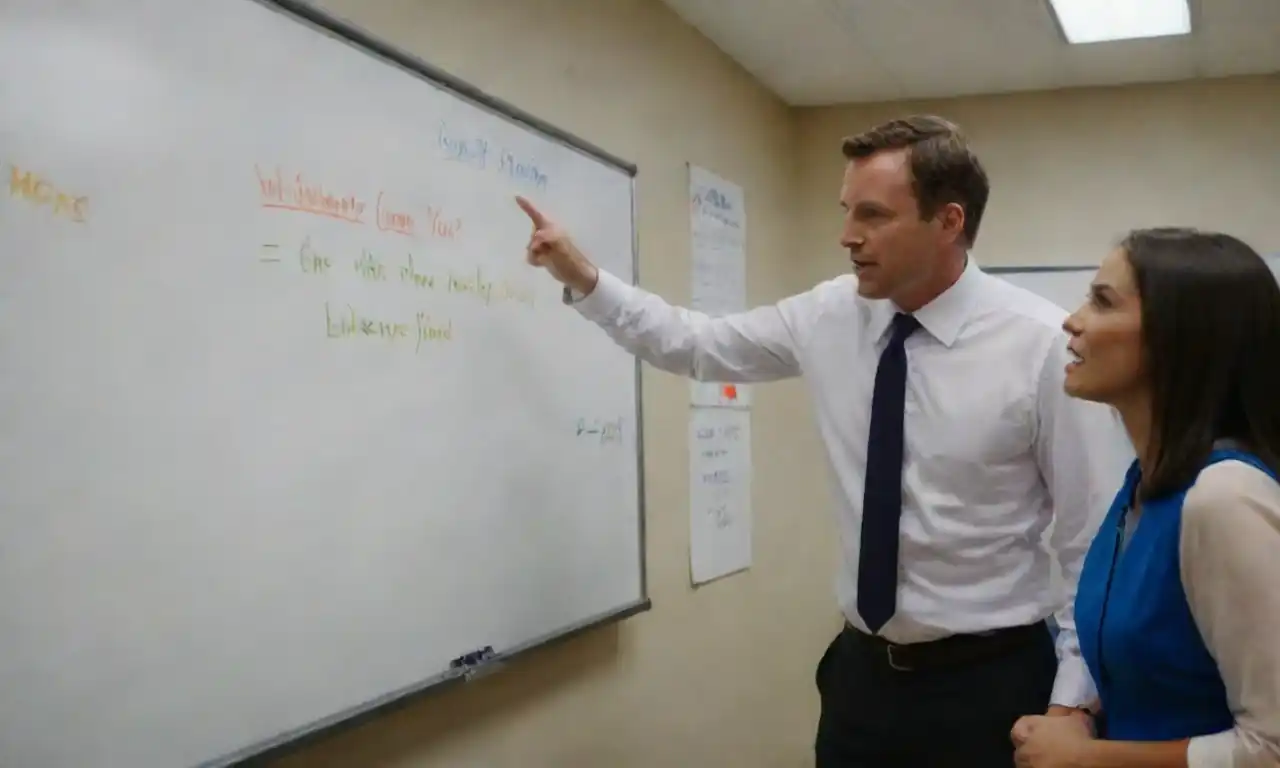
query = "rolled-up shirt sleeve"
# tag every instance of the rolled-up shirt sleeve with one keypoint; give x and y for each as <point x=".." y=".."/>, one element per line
<point x="1230" y="565"/>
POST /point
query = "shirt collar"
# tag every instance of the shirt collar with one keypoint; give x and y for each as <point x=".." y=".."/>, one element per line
<point x="944" y="316"/>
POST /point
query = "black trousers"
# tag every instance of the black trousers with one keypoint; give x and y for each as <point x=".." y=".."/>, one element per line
<point x="945" y="716"/>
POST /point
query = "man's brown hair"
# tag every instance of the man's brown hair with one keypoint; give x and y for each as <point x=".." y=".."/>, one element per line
<point x="943" y="168"/>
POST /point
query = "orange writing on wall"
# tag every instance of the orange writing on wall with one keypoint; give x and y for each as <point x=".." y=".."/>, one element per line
<point x="30" y="186"/>
<point x="298" y="193"/>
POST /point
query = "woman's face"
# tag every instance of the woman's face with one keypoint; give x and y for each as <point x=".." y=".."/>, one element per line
<point x="1106" y="337"/>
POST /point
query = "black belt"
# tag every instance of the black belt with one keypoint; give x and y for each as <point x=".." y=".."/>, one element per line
<point x="952" y="651"/>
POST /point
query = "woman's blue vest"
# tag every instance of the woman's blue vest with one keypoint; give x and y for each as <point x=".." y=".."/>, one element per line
<point x="1156" y="678"/>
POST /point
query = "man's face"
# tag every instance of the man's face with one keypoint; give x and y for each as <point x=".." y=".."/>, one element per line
<point x="892" y="249"/>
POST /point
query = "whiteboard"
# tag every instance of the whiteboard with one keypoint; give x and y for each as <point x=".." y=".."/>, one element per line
<point x="290" y="428"/>
<point x="1068" y="287"/>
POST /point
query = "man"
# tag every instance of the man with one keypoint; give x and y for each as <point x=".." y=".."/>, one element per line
<point x="939" y="397"/>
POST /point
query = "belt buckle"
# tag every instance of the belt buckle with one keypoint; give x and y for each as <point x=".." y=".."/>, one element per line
<point x="893" y="662"/>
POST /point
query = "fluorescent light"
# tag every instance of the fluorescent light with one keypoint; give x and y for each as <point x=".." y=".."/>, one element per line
<point x="1095" y="21"/>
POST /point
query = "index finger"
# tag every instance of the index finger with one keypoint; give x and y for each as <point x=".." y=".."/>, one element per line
<point x="533" y="213"/>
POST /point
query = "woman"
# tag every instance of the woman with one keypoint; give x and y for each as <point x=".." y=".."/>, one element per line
<point x="1178" y="605"/>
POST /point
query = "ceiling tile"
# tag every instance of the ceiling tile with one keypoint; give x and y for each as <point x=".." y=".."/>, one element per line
<point x="813" y="52"/>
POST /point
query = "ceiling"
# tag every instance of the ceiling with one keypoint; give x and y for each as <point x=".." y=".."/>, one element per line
<point x="820" y="52"/>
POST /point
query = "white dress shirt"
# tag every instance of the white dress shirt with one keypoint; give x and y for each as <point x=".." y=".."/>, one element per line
<point x="995" y="450"/>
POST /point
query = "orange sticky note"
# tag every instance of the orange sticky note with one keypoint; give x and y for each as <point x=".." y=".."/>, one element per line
<point x="730" y="392"/>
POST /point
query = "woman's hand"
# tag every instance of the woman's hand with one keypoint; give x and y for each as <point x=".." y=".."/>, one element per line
<point x="1051" y="741"/>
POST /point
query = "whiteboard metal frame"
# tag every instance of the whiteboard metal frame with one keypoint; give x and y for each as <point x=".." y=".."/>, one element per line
<point x="302" y="11"/>
<point x="1017" y="270"/>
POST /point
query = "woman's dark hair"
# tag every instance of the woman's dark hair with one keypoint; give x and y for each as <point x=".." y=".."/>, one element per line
<point x="1211" y="336"/>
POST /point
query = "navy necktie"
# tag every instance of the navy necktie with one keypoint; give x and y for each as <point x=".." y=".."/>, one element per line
<point x="882" y="493"/>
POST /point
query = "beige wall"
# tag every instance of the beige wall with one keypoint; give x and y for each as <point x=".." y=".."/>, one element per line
<point x="630" y="77"/>
<point x="1070" y="171"/>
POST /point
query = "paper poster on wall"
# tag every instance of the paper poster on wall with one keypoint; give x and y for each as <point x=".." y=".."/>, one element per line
<point x="720" y="520"/>
<point x="717" y="227"/>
